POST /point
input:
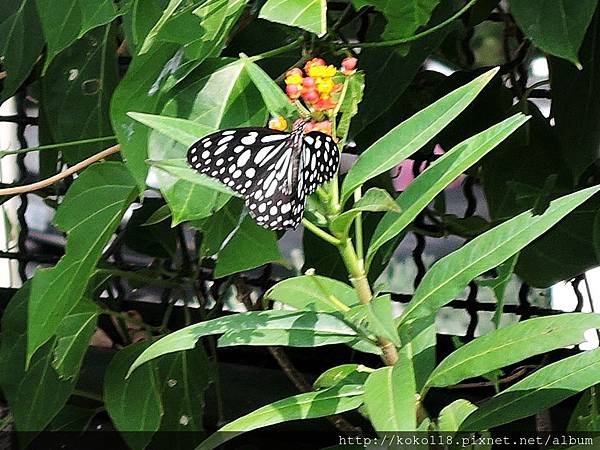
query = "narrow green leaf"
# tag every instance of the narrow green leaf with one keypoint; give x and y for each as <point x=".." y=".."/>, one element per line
<point x="454" y="414"/>
<point x="133" y="402"/>
<point x="512" y="344"/>
<point x="302" y="406"/>
<point x="418" y="341"/>
<point x="284" y="337"/>
<point x="556" y="27"/>
<point x="499" y="284"/>
<point x="344" y="374"/>
<point x="219" y="227"/>
<point x="354" y="86"/>
<point x="158" y="216"/>
<point x="541" y="390"/>
<point x="251" y="246"/>
<point x="391" y="397"/>
<point x="73" y="338"/>
<point x="167" y="14"/>
<point x="184" y="131"/>
<point x="277" y="103"/>
<point x="451" y="274"/>
<point x="90" y="212"/>
<point x="310" y="15"/>
<point x="430" y="183"/>
<point x="314" y="292"/>
<point x="412" y="134"/>
<point x="374" y="200"/>
<point x="186" y="338"/>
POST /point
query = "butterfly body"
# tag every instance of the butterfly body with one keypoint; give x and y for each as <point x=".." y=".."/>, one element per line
<point x="273" y="170"/>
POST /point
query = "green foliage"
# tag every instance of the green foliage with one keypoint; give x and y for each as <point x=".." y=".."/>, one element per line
<point x="156" y="76"/>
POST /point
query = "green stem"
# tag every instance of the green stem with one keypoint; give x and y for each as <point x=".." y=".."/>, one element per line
<point x="277" y="51"/>
<point x="417" y="36"/>
<point x="88" y="395"/>
<point x="319" y="232"/>
<point x="358" y="228"/>
<point x="54" y="146"/>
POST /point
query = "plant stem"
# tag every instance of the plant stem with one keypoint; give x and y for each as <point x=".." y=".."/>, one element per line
<point x="358" y="229"/>
<point x="54" y="146"/>
<point x="134" y="276"/>
<point x="127" y="318"/>
<point x="88" y="395"/>
<point x="417" y="36"/>
<point x="319" y="232"/>
<point x="277" y="51"/>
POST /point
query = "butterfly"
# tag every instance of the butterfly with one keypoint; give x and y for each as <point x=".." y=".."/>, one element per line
<point x="273" y="170"/>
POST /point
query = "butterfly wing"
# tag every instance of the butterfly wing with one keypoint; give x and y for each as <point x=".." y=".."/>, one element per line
<point x="320" y="160"/>
<point x="259" y="163"/>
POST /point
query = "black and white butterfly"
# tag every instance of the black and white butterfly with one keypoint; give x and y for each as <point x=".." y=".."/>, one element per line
<point x="273" y="170"/>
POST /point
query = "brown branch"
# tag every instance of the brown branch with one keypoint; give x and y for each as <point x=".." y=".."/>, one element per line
<point x="518" y="373"/>
<point x="70" y="171"/>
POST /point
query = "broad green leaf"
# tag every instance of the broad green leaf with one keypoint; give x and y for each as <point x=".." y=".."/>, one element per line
<point x="169" y="11"/>
<point x="391" y="397"/>
<point x="218" y="17"/>
<point x="314" y="292"/>
<point x="352" y="95"/>
<point x="284" y="337"/>
<point x="36" y="394"/>
<point x="21" y="42"/>
<point x="374" y="200"/>
<point x="76" y="88"/>
<point x="186" y="338"/>
<point x="89" y="213"/>
<point x="72" y="419"/>
<point x="344" y="374"/>
<point x="180" y="168"/>
<point x="157" y="239"/>
<point x="184" y="131"/>
<point x="376" y="317"/>
<point x="573" y="114"/>
<point x="412" y="134"/>
<point x="556" y="27"/>
<point x="65" y="23"/>
<point x="183" y="379"/>
<point x="219" y="227"/>
<point x="133" y="402"/>
<point x="277" y="103"/>
<point x="310" y="15"/>
<point x="418" y="342"/>
<point x="302" y="406"/>
<point x="251" y="246"/>
<point x="541" y="390"/>
<point x="512" y="344"/>
<point x="430" y="183"/>
<point x="451" y="274"/>
<point x="403" y="18"/>
<point x="454" y="414"/>
<point x="73" y="338"/>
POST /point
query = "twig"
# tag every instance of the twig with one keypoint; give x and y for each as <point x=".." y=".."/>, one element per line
<point x="70" y="171"/>
<point x="512" y="377"/>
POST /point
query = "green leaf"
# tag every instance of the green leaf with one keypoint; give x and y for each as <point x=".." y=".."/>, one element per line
<point x="180" y="168"/>
<point x="133" y="402"/>
<point x="21" y="42"/>
<point x="251" y="246"/>
<point x="65" y="23"/>
<point x="219" y="226"/>
<point x="151" y="36"/>
<point x="72" y="419"/>
<point x="89" y="213"/>
<point x="403" y="18"/>
<point x="277" y="103"/>
<point x="310" y="15"/>
<point x="498" y="285"/>
<point x="314" y="292"/>
<point x="454" y="414"/>
<point x="341" y="375"/>
<point x="391" y="397"/>
<point x="377" y="317"/>
<point x="541" y="390"/>
<point x="284" y="337"/>
<point x="158" y="239"/>
<point x="183" y="131"/>
<point x="573" y="113"/>
<point x="556" y="27"/>
<point x="374" y="200"/>
<point x="158" y="216"/>
<point x="73" y="338"/>
<point x="512" y="344"/>
<point x="76" y="88"/>
<point x="302" y="406"/>
<point x="37" y="394"/>
<point x="412" y="134"/>
<point x="418" y="341"/>
<point x="585" y="416"/>
<point x="450" y="275"/>
<point x="186" y="338"/>
<point x="432" y="181"/>
<point x="351" y="96"/>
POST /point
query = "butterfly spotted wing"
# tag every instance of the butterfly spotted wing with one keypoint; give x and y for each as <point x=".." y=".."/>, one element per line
<point x="274" y="171"/>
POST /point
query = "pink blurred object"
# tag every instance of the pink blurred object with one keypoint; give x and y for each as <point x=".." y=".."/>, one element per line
<point x="403" y="173"/>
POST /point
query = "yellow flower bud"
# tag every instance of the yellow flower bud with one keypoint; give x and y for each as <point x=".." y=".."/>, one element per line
<point x="293" y="79"/>
<point x="278" y="123"/>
